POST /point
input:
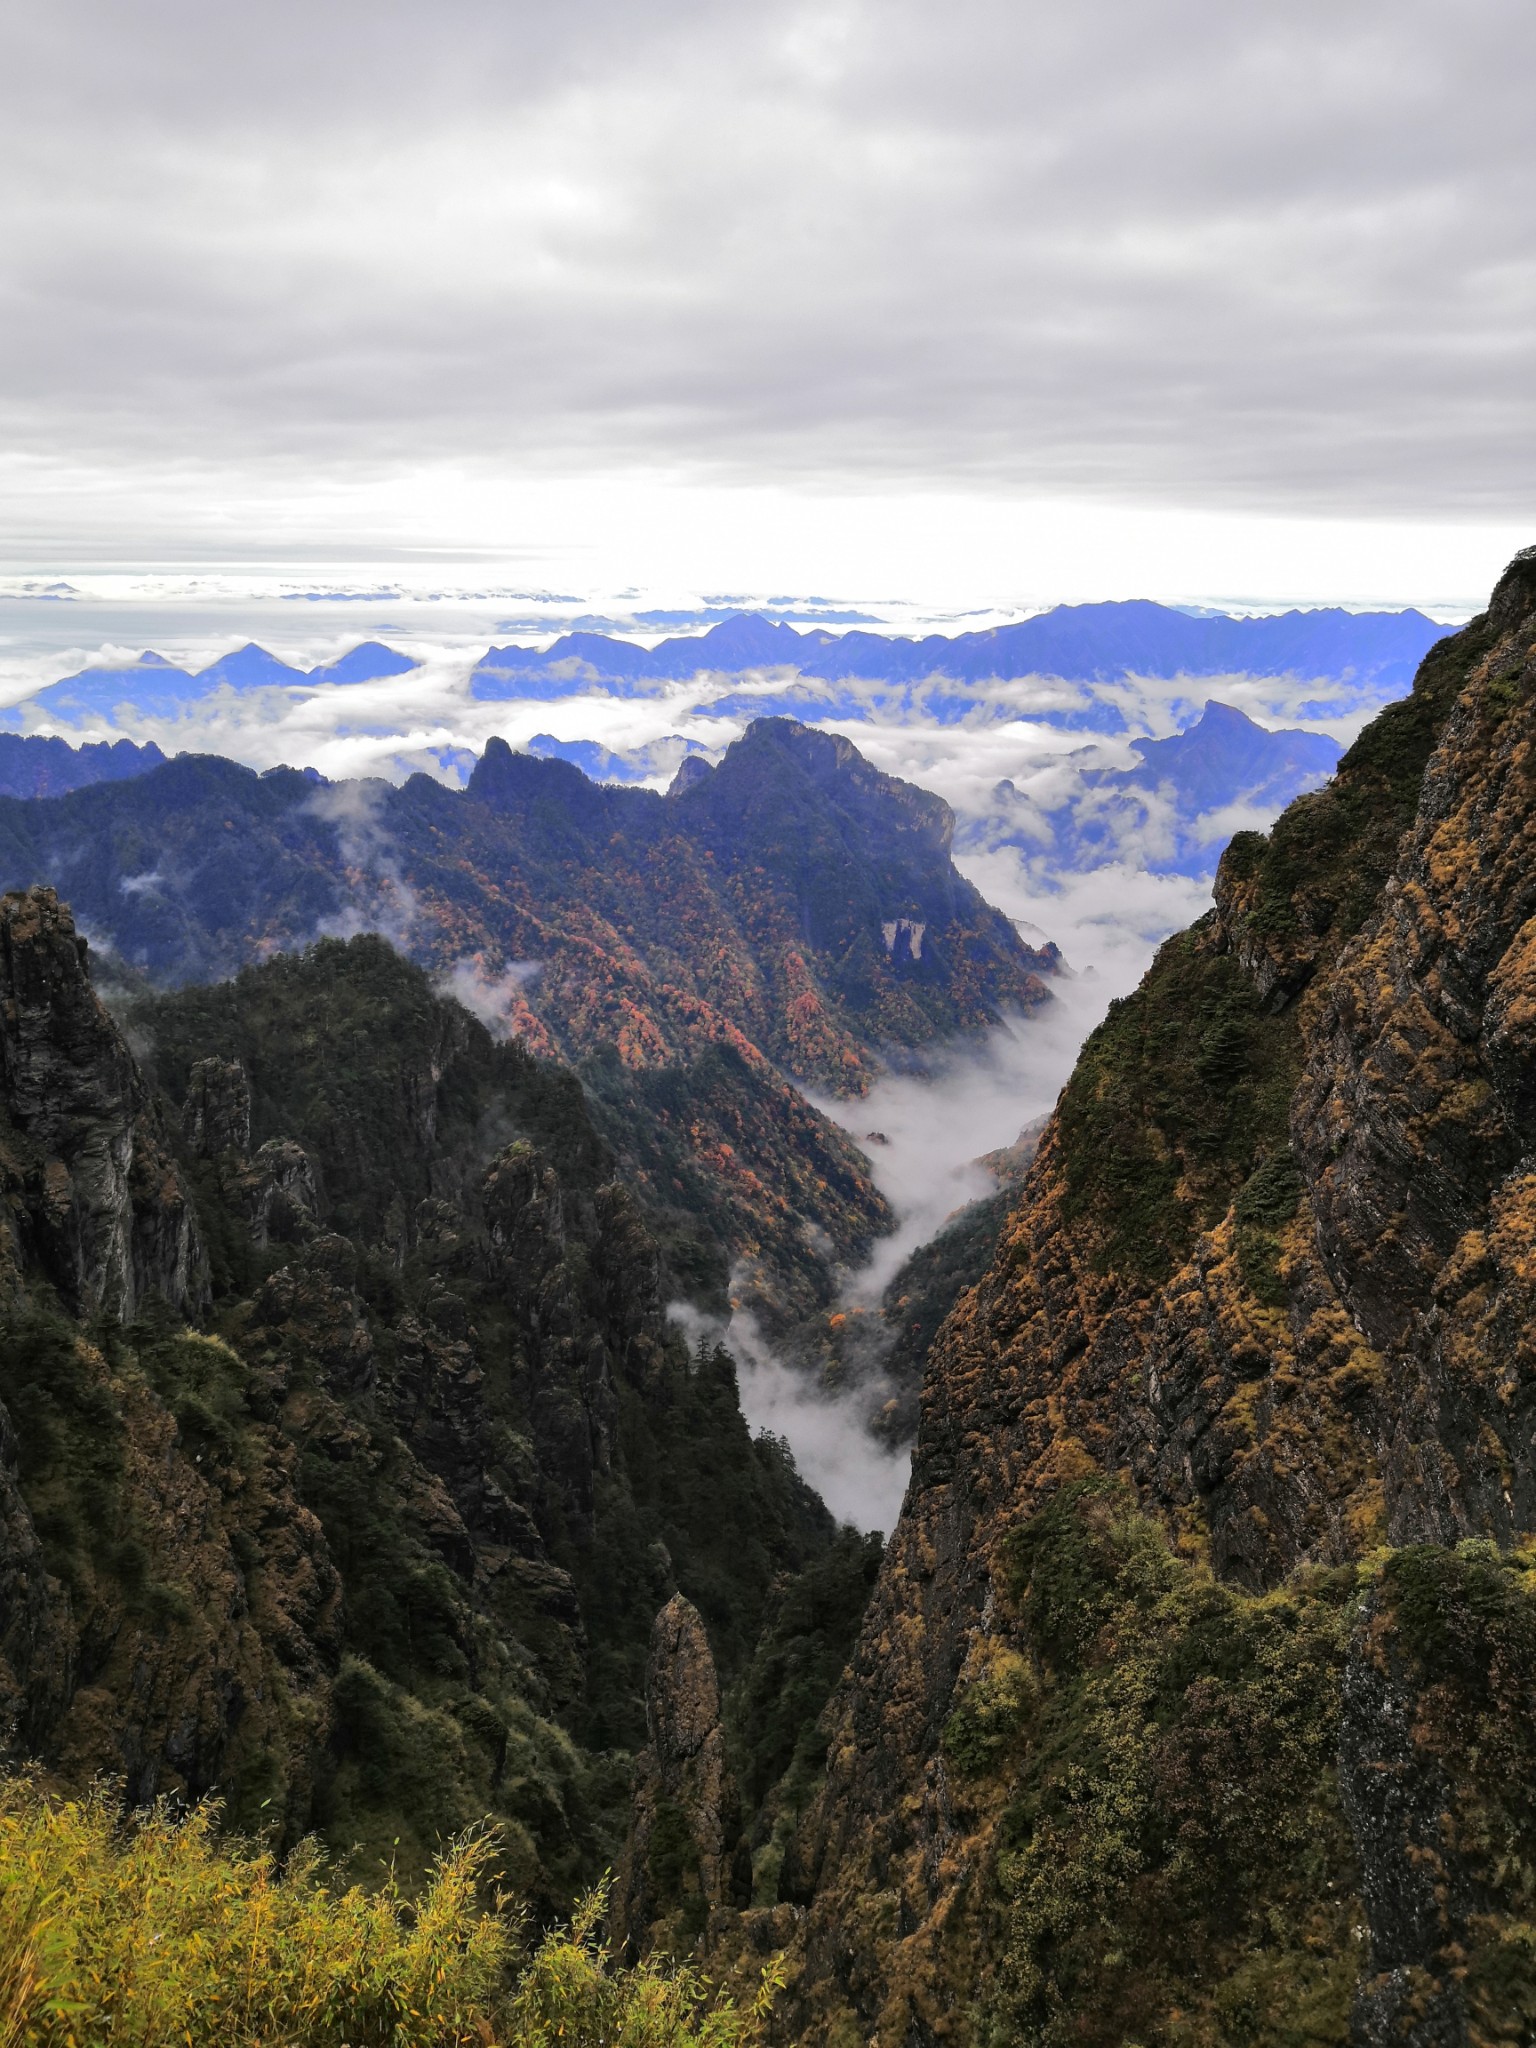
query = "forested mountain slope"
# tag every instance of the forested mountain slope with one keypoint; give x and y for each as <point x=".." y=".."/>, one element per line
<point x="790" y="912"/>
<point x="39" y="765"/>
<point x="793" y="897"/>
<point x="346" y="1453"/>
<point x="1197" y="1699"/>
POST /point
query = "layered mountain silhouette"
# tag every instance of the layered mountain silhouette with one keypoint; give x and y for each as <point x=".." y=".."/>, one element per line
<point x="38" y="766"/>
<point x="790" y="912"/>
<point x="1174" y="811"/>
<point x="1080" y="643"/>
<point x="602" y="764"/>
<point x="350" y="1469"/>
<point x="1373" y="653"/>
<point x="156" y="686"/>
<point x="1225" y="757"/>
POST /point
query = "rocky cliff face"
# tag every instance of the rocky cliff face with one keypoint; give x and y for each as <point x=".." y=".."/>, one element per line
<point x="353" y="1501"/>
<point x="677" y="1865"/>
<point x="1262" y="1309"/>
<point x="93" y="1201"/>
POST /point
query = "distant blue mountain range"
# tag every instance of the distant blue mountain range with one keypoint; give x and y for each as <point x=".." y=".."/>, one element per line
<point x="156" y="686"/>
<point x="661" y="757"/>
<point x="1225" y="755"/>
<point x="1173" y="812"/>
<point x="1090" y="643"/>
<point x="49" y="767"/>
<point x="855" y="674"/>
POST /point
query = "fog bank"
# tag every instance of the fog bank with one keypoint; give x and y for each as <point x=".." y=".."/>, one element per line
<point x="860" y="1480"/>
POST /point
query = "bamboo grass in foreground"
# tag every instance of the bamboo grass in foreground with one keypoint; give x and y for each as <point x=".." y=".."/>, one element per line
<point x="157" y="1933"/>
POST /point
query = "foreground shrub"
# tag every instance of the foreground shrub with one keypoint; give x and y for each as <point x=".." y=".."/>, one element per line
<point x="159" y="1934"/>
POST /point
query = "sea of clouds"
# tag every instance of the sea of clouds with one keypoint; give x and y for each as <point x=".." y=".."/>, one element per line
<point x="429" y="721"/>
<point x="1107" y="917"/>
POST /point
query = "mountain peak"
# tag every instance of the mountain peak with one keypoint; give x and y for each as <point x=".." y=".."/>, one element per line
<point x="370" y="661"/>
<point x="1515" y="592"/>
<point x="691" y="770"/>
<point x="750" y="637"/>
<point x="249" y="667"/>
<point x="1217" y="715"/>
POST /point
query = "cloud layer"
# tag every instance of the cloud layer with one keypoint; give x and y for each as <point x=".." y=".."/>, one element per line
<point x="1242" y="257"/>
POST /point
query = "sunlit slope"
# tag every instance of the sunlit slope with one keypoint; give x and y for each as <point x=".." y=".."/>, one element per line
<point x="1178" y="1567"/>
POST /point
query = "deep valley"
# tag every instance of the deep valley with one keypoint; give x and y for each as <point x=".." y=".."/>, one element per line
<point x="381" y="1168"/>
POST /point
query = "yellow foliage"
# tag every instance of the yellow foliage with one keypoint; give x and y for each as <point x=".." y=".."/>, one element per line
<point x="155" y="1932"/>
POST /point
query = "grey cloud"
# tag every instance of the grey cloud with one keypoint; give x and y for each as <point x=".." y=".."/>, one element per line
<point x="1181" y="252"/>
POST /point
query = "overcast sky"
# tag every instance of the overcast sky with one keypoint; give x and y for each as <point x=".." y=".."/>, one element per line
<point x="771" y="287"/>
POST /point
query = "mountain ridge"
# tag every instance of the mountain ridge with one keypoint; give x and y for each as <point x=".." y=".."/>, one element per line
<point x="1092" y="643"/>
<point x="1213" y="1468"/>
<point x="346" y="1451"/>
<point x="1173" y="812"/>
<point x="37" y="766"/>
<point x="1088" y="643"/>
<point x="795" y="913"/>
<point x="153" y="684"/>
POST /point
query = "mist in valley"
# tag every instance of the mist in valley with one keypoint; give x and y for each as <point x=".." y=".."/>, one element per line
<point x="934" y="1130"/>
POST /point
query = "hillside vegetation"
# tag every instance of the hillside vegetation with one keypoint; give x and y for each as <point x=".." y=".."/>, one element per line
<point x="163" y="1934"/>
<point x="793" y="913"/>
<point x="1196" y="1703"/>
<point x="347" y="1451"/>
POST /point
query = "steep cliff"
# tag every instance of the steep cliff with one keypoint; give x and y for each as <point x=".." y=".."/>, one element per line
<point x="92" y="1200"/>
<point x="1150" y="1733"/>
<point x="346" y="1452"/>
<point x="686" y="1812"/>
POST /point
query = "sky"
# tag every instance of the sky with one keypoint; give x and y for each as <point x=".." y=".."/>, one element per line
<point x="982" y="304"/>
<point x="500" y="311"/>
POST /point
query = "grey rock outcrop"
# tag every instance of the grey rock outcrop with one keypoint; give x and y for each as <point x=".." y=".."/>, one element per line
<point x="93" y="1195"/>
<point x="284" y="1203"/>
<point x="1413" y="1888"/>
<point x="216" y="1116"/>
<point x="677" y="1865"/>
<point x="275" y="1189"/>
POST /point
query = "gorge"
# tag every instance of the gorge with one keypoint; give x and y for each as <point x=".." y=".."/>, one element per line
<point x="354" y="1472"/>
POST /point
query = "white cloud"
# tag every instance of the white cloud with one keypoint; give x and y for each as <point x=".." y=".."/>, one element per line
<point x="937" y="1126"/>
<point x="1108" y="921"/>
<point x="861" y="1480"/>
<point x="381" y="899"/>
<point x="487" y="994"/>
